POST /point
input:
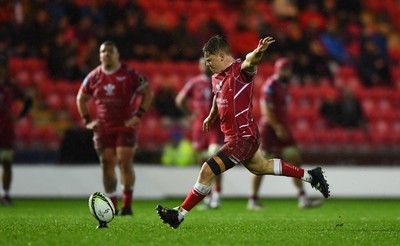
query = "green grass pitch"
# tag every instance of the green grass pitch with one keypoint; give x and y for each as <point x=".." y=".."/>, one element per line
<point x="337" y="222"/>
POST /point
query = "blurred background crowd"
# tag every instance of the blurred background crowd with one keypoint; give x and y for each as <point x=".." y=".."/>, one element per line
<point x="345" y="95"/>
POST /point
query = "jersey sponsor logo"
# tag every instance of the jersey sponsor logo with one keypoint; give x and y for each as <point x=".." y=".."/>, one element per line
<point x="109" y="88"/>
<point x="219" y="87"/>
<point x="222" y="103"/>
<point x="120" y="78"/>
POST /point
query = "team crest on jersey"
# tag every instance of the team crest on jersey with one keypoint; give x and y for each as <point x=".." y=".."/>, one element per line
<point x="109" y="88"/>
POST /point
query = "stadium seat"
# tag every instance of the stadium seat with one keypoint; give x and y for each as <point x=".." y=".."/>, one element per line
<point x="24" y="78"/>
<point x="305" y="139"/>
<point x="380" y="133"/>
<point x="49" y="138"/>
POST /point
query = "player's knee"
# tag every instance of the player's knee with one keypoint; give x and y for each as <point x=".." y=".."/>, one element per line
<point x="219" y="163"/>
<point x="256" y="172"/>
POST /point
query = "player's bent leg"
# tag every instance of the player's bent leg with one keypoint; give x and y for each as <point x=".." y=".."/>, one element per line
<point x="258" y="165"/>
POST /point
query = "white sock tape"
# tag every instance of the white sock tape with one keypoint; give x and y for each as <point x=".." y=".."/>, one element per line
<point x="202" y="189"/>
<point x="277" y="167"/>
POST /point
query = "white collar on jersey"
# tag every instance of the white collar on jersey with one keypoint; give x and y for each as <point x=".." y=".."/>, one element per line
<point x="111" y="72"/>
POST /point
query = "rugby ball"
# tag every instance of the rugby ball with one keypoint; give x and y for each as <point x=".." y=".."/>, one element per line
<point x="101" y="207"/>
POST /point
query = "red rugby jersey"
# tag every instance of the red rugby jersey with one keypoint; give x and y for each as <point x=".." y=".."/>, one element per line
<point x="276" y="94"/>
<point x="197" y="92"/>
<point x="234" y="91"/>
<point x="113" y="94"/>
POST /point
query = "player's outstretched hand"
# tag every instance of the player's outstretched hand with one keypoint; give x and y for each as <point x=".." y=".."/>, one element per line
<point x="264" y="43"/>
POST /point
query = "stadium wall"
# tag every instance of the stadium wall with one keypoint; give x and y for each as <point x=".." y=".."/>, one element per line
<point x="159" y="182"/>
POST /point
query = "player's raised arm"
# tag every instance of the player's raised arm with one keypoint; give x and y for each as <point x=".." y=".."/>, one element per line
<point x="254" y="57"/>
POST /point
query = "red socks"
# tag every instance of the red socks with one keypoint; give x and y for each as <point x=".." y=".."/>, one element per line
<point x="127" y="198"/>
<point x="286" y="169"/>
<point x="217" y="188"/>
<point x="196" y="194"/>
<point x="114" y="200"/>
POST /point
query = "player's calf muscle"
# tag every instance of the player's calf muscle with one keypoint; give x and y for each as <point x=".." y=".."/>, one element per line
<point x="206" y="175"/>
<point x="261" y="168"/>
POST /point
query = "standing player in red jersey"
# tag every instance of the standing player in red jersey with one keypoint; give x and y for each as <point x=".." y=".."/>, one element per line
<point x="195" y="99"/>
<point x="9" y="94"/>
<point x="276" y="137"/>
<point x="113" y="86"/>
<point x="233" y="90"/>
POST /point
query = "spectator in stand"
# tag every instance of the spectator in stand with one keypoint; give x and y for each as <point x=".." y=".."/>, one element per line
<point x="94" y="11"/>
<point x="85" y="29"/>
<point x="250" y="25"/>
<point x="373" y="67"/>
<point x="329" y="8"/>
<point x="87" y="59"/>
<point x="334" y="44"/>
<point x="120" y="36"/>
<point x="311" y="65"/>
<point x="164" y="102"/>
<point x="351" y="114"/>
<point x="311" y="17"/>
<point x="329" y="109"/>
<point x="185" y="46"/>
<point x="62" y="59"/>
<point x="138" y="34"/>
<point x="39" y="32"/>
<point x="344" y="111"/>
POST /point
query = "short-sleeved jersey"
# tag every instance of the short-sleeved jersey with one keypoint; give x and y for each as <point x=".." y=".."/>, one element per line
<point x="9" y="94"/>
<point x="233" y="89"/>
<point x="276" y="95"/>
<point x="114" y="95"/>
<point x="198" y="93"/>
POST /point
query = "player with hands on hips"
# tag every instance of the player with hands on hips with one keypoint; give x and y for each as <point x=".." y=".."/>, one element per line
<point x="114" y="86"/>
